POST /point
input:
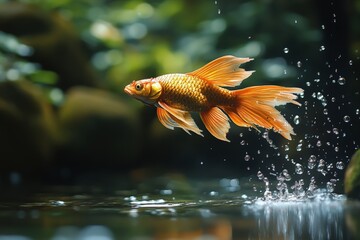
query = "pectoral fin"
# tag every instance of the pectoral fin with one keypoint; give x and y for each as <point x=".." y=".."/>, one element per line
<point x="166" y="119"/>
<point x="171" y="117"/>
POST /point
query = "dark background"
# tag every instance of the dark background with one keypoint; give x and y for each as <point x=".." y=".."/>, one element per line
<point x="64" y="117"/>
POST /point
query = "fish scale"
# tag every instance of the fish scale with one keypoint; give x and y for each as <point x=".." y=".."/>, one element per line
<point x="190" y="93"/>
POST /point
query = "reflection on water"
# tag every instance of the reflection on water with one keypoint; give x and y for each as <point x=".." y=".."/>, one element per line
<point x="95" y="232"/>
<point x="224" y="209"/>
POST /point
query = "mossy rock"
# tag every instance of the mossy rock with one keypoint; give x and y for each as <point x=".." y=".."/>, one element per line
<point x="99" y="130"/>
<point x="352" y="177"/>
<point x="28" y="128"/>
<point x="56" y="44"/>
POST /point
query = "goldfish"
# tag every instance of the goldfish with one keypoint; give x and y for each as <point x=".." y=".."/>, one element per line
<point x="205" y="91"/>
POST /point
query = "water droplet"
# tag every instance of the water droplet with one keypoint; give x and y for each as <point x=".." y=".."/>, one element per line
<point x="260" y="175"/>
<point x="319" y="96"/>
<point x="318" y="143"/>
<point x="350" y="62"/>
<point x="286" y="148"/>
<point x="308" y="84"/>
<point x="287" y="176"/>
<point x="299" y="147"/>
<point x="336" y="149"/>
<point x="286" y="50"/>
<point x="329" y="166"/>
<point x="299" y="64"/>
<point x="215" y="2"/>
<point x="325" y="111"/>
<point x="242" y="142"/>
<point x="341" y="81"/>
<point x="336" y="131"/>
<point x="334" y="181"/>
<point x="295" y="21"/>
<point x="321" y="166"/>
<point x="317" y="80"/>
<point x="357" y="111"/>
<point x="265" y="134"/>
<point x="329" y="186"/>
<point x="266" y="181"/>
<point x="312" y="162"/>
<point x="340" y="165"/>
<point x="299" y="168"/>
<point x="322" y="26"/>
<point x="322" y="48"/>
<point x="213" y="193"/>
<point x="346" y="118"/>
<point x="247" y="157"/>
<point x="297" y="120"/>
<point x="301" y="182"/>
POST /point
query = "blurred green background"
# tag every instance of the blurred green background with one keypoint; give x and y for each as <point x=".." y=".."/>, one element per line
<point x="64" y="64"/>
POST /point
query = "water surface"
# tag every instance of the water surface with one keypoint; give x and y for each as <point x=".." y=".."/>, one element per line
<point x="211" y="209"/>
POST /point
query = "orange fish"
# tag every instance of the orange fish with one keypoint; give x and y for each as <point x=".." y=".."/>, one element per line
<point x="176" y="95"/>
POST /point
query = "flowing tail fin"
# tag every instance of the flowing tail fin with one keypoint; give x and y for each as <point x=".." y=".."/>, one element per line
<point x="255" y="106"/>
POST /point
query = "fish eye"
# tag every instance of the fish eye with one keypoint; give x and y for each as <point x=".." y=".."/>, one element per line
<point x="138" y="86"/>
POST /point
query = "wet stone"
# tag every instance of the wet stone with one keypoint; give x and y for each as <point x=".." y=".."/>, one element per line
<point x="352" y="177"/>
<point x="28" y="131"/>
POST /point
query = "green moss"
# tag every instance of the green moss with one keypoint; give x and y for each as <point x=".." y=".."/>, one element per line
<point x="352" y="177"/>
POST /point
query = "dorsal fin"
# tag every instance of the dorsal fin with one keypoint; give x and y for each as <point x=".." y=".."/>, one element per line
<point x="224" y="71"/>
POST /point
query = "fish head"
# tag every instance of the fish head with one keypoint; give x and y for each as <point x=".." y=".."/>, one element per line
<point x="146" y="90"/>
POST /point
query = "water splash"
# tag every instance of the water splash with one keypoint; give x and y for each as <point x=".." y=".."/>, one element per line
<point x="291" y="219"/>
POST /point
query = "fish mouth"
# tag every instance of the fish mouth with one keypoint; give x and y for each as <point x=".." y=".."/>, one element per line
<point x="128" y="90"/>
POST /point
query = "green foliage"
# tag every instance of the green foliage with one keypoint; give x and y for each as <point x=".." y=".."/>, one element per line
<point x="137" y="39"/>
<point x="14" y="67"/>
